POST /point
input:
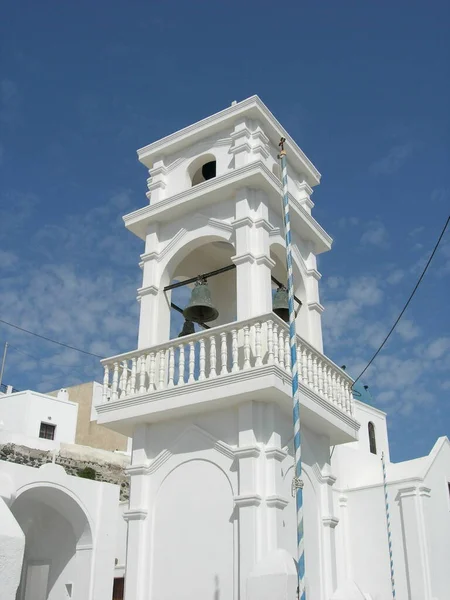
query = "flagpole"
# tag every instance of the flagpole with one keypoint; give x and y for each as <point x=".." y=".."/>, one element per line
<point x="297" y="484"/>
<point x="388" y="525"/>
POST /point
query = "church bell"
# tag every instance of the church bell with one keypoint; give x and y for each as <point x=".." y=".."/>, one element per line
<point x="200" y="308"/>
<point x="188" y="329"/>
<point x="280" y="304"/>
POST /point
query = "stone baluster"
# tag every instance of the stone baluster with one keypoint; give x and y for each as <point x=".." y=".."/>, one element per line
<point x="234" y="351"/>
<point x="223" y="353"/>
<point x="304" y="363"/>
<point x="123" y="380"/>
<point x="258" y="347"/>
<point x="309" y="378"/>
<point x="281" y="348"/>
<point x="270" y="342"/>
<point x="151" y="371"/>
<point x="162" y="369"/>
<point x="133" y="376"/>
<point x="287" y="354"/>
<point x="115" y="382"/>
<point x="325" y="381"/>
<point x="246" y="348"/>
<point x="105" y="383"/>
<point x="191" y="377"/>
<point x="276" y="357"/>
<point x="212" y="357"/>
<point x="320" y="377"/>
<point x="142" y="363"/>
<point x="171" y="366"/>
<point x="181" y="365"/>
<point x="314" y="373"/>
<point x="202" y="361"/>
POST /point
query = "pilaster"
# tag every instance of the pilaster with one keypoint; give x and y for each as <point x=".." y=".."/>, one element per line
<point x="412" y="513"/>
<point x="156" y="183"/>
<point x="137" y="516"/>
<point x="329" y="522"/>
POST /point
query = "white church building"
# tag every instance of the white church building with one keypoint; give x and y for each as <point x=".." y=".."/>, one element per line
<point x="211" y="514"/>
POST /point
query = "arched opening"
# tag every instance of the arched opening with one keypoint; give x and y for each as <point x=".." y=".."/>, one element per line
<point x="202" y="169"/>
<point x="372" y="439"/>
<point x="58" y="545"/>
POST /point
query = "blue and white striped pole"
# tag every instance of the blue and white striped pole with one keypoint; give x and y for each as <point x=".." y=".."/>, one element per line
<point x="297" y="483"/>
<point x="388" y="523"/>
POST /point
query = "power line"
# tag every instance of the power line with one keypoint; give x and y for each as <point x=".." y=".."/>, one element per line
<point x="407" y="303"/>
<point x="43" y="337"/>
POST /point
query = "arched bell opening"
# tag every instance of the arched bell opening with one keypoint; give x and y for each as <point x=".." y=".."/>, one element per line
<point x="279" y="296"/>
<point x="202" y="169"/>
<point x="58" y="548"/>
<point x="215" y="297"/>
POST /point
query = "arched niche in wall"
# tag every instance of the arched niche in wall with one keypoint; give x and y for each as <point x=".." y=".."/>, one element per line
<point x="202" y="169"/>
<point x="198" y="525"/>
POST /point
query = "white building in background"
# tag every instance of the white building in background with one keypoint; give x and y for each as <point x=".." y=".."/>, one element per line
<point x="211" y="513"/>
<point x="62" y="534"/>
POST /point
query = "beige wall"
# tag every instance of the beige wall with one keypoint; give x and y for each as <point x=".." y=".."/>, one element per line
<point x="88" y="433"/>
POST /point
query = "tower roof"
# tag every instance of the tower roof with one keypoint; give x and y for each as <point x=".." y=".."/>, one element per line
<point x="253" y="108"/>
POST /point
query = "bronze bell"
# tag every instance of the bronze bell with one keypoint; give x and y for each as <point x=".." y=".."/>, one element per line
<point x="200" y="308"/>
<point x="188" y="329"/>
<point x="280" y="304"/>
<point x="209" y="170"/>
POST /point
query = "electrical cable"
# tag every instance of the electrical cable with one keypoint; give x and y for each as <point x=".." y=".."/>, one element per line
<point x="43" y="337"/>
<point x="407" y="302"/>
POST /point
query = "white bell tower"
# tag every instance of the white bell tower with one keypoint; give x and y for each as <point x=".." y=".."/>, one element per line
<point x="211" y="513"/>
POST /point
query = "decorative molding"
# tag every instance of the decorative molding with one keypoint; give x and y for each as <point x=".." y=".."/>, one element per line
<point x="265" y="260"/>
<point x="150" y="290"/>
<point x="316" y="306"/>
<point x="243" y="222"/>
<point x="314" y="273"/>
<point x="133" y="470"/>
<point x="156" y="185"/>
<point x="277" y="501"/>
<point x="330" y="521"/>
<point x="135" y="514"/>
<point x="242" y="147"/>
<point x="245" y="500"/>
<point x="322" y="475"/>
<point x="424" y="492"/>
<point x="159" y="170"/>
<point x="247" y="452"/>
<point x="262" y="223"/>
<point x="146" y="257"/>
<point x="276" y="453"/>
<point x="243" y="259"/>
<point x="343" y="501"/>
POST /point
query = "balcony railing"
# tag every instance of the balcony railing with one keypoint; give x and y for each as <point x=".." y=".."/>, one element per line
<point x="216" y="352"/>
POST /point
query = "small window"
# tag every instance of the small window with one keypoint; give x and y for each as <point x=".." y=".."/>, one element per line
<point x="372" y="440"/>
<point x="206" y="171"/>
<point x="47" y="431"/>
<point x="119" y="588"/>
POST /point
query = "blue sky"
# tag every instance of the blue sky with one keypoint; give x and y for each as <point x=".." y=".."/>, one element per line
<point x="364" y="88"/>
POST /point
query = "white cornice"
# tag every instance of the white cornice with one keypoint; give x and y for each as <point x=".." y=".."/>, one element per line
<point x="255" y="174"/>
<point x="252" y="107"/>
<point x="314" y="274"/>
<point x="330" y="521"/>
<point x="135" y="514"/>
<point x="316" y="306"/>
<point x="276" y="453"/>
<point x="151" y="290"/>
<point x="245" y="500"/>
<point x="133" y="470"/>
<point x="276" y="501"/>
<point x="247" y="452"/>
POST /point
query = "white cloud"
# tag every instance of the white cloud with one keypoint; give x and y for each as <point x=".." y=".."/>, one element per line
<point x="395" y="277"/>
<point x="438" y="348"/>
<point x="334" y="282"/>
<point x="416" y="231"/>
<point x="348" y="221"/>
<point x="365" y="291"/>
<point x="9" y="102"/>
<point x="407" y="329"/>
<point x="8" y="259"/>
<point x="393" y="161"/>
<point x="375" y="235"/>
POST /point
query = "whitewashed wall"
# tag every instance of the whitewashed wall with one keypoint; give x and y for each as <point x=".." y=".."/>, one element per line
<point x="23" y="412"/>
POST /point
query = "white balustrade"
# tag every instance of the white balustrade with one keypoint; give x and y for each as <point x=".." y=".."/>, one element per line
<point x="222" y="352"/>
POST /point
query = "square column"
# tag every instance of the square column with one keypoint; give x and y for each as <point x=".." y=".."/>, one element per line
<point x="252" y="259"/>
<point x="137" y="516"/>
<point x="412" y="511"/>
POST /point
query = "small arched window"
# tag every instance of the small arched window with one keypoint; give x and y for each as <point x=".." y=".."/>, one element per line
<point x="205" y="172"/>
<point x="372" y="440"/>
